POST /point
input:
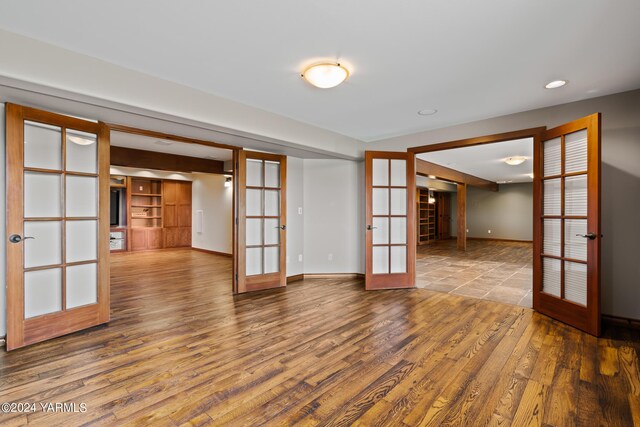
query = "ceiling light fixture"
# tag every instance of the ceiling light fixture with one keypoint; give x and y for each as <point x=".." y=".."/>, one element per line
<point x="432" y="176"/>
<point x="515" y="160"/>
<point x="162" y="142"/>
<point x="555" y="84"/>
<point x="325" y="75"/>
<point x="80" y="140"/>
<point x="227" y="181"/>
<point x="427" y="112"/>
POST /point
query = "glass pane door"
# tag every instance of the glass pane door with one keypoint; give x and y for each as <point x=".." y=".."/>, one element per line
<point x="262" y="221"/>
<point x="390" y="182"/>
<point x="54" y="254"/>
<point x="569" y="183"/>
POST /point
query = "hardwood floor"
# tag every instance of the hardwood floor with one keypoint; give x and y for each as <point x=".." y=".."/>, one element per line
<point x="181" y="350"/>
<point x="493" y="270"/>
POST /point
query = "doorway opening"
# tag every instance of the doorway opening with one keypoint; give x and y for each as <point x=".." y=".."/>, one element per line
<point x="489" y="190"/>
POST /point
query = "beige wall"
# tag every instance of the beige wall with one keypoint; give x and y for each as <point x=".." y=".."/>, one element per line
<point x="620" y="181"/>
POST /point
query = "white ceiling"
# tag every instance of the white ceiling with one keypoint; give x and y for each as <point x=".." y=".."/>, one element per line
<point x="487" y="161"/>
<point x="469" y="59"/>
<point x="139" y="142"/>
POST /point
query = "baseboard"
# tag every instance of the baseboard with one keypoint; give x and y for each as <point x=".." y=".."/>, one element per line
<point x="207" y="251"/>
<point x="295" y="278"/>
<point x="334" y="276"/>
<point x="499" y="240"/>
<point x="618" y="321"/>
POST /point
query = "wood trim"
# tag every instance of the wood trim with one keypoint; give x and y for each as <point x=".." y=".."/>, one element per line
<point x="499" y="240"/>
<point x="426" y="168"/>
<point x="334" y="276"/>
<point x="295" y="278"/>
<point x="167" y="136"/>
<point x="104" y="225"/>
<point x="461" y="234"/>
<point x="129" y="157"/>
<point x="621" y="322"/>
<point x="208" y="251"/>
<point x="480" y="140"/>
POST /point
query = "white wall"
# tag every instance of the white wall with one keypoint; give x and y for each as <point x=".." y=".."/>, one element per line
<point x="334" y="216"/>
<point x="295" y="220"/>
<point x="216" y="203"/>
<point x="508" y="213"/>
<point x="620" y="181"/>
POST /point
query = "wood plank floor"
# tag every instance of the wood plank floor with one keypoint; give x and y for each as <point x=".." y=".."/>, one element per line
<point x="181" y="350"/>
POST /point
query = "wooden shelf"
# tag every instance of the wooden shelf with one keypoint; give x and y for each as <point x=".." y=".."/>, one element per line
<point x="146" y="194"/>
<point x="426" y="217"/>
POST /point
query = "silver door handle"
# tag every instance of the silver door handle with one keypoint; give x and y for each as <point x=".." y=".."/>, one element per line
<point x="16" y="238"/>
<point x="282" y="227"/>
<point x="371" y="228"/>
<point x="590" y="236"/>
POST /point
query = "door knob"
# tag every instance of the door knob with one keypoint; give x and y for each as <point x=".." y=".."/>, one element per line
<point x="371" y="228"/>
<point x="282" y="227"/>
<point x="16" y="238"/>
<point x="590" y="236"/>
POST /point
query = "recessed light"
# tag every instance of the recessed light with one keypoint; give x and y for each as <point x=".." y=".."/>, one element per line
<point x="325" y="75"/>
<point x="555" y="84"/>
<point x="515" y="160"/>
<point x="427" y="112"/>
<point x="163" y="142"/>
<point x="432" y="176"/>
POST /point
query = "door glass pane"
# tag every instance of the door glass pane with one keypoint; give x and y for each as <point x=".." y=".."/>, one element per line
<point x="380" y="201"/>
<point x="399" y="173"/>
<point x="552" y="157"/>
<point x="82" y="288"/>
<point x="398" y="201"/>
<point x="380" y="234"/>
<point x="380" y="172"/>
<point x="254" y="261"/>
<point x="82" y="152"/>
<point x="398" y="259"/>
<point x="42" y="146"/>
<point x="254" y="231"/>
<point x="42" y="195"/>
<point x="380" y="260"/>
<point x="575" y="282"/>
<point x="254" y="173"/>
<point x="82" y="240"/>
<point x="551" y="202"/>
<point x="46" y="247"/>
<point x="575" y="152"/>
<point x="82" y="196"/>
<point x="575" y="195"/>
<point x="42" y="292"/>
<point x="575" y="247"/>
<point x="254" y="202"/>
<point x="272" y="174"/>
<point x="551" y="276"/>
<point x="399" y="230"/>
<point x="271" y="231"/>
<point x="551" y="240"/>
<point x="271" y="259"/>
<point x="272" y="202"/>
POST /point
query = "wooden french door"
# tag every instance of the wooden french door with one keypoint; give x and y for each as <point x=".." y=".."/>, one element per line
<point x="57" y="225"/>
<point x="567" y="229"/>
<point x="390" y="184"/>
<point x="261" y="228"/>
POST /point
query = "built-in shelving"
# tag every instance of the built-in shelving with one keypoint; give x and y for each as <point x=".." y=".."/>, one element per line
<point x="426" y="217"/>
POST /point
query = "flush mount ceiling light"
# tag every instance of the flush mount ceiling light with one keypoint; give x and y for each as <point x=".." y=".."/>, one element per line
<point x="555" y="84"/>
<point x="427" y="112"/>
<point x="80" y="140"/>
<point x="163" y="142"/>
<point x="431" y="176"/>
<point x="325" y="75"/>
<point x="515" y="160"/>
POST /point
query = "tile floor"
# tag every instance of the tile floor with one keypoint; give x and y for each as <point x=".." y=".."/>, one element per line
<point x="491" y="270"/>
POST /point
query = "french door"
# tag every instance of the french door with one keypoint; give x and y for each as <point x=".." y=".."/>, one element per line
<point x="57" y="225"/>
<point x="261" y="228"/>
<point x="567" y="229"/>
<point x="390" y="182"/>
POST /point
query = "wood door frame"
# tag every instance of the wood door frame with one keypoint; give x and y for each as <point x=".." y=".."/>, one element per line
<point x="535" y="133"/>
<point x="21" y="331"/>
<point x="188" y="140"/>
